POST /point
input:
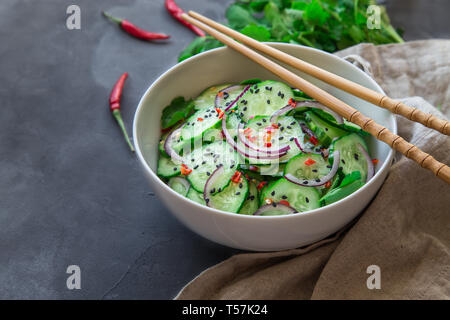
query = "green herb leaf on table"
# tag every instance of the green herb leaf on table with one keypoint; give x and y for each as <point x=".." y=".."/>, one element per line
<point x="177" y="110"/>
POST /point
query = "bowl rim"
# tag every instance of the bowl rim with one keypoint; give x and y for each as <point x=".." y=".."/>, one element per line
<point x="166" y="188"/>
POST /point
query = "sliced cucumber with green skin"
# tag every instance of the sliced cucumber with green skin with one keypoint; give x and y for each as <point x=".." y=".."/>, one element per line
<point x="251" y="203"/>
<point x="300" y="198"/>
<point x="180" y="185"/>
<point x="231" y="198"/>
<point x="288" y="129"/>
<point x="264" y="98"/>
<point x="325" y="132"/>
<point x="207" y="98"/>
<point x="233" y="121"/>
<point x="351" y="157"/>
<point x="177" y="143"/>
<point x="347" y="125"/>
<point x="205" y="160"/>
<point x="199" y="123"/>
<point x="307" y="166"/>
<point x="167" y="168"/>
<point x="196" y="196"/>
<point x="340" y="193"/>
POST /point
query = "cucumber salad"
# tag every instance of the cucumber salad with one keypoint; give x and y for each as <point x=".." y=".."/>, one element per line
<point x="261" y="148"/>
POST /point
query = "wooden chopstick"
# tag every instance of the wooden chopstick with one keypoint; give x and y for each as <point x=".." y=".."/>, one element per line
<point x="381" y="133"/>
<point x="351" y="87"/>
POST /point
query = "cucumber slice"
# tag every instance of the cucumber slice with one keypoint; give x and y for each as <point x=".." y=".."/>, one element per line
<point x="351" y="157"/>
<point x="205" y="160"/>
<point x="233" y="121"/>
<point x="196" y="196"/>
<point x="207" y="98"/>
<point x="288" y="129"/>
<point x="231" y="198"/>
<point x="307" y="166"/>
<point x="180" y="185"/>
<point x="264" y="98"/>
<point x="251" y="203"/>
<point x="197" y="124"/>
<point x="324" y="131"/>
<point x="340" y="193"/>
<point x="299" y="197"/>
<point x="177" y="143"/>
<point x="167" y="168"/>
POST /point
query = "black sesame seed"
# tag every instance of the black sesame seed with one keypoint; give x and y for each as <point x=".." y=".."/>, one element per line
<point x="231" y="167"/>
<point x="279" y="93"/>
<point x="241" y="114"/>
<point x="356" y="157"/>
<point x="257" y="90"/>
<point x="225" y="95"/>
<point x="292" y="139"/>
<point x="206" y="200"/>
<point x="227" y="104"/>
<point x="292" y="123"/>
<point x="212" y="190"/>
<point x="219" y="190"/>
<point x="240" y="185"/>
<point x="282" y="128"/>
<point x="343" y="161"/>
<point x="317" y="180"/>
<point x="326" y="129"/>
<point x="175" y="169"/>
<point x="252" y="197"/>
<point x="314" y="170"/>
<point x="268" y="101"/>
<point x="273" y="193"/>
<point x="245" y="109"/>
<point x="192" y="160"/>
<point x="282" y="96"/>
<point x="238" y="193"/>
<point x="204" y="162"/>
<point x="305" y="182"/>
<point x="274" y="204"/>
<point x="289" y="127"/>
<point x="264" y="120"/>
<point x="208" y="173"/>
<point x="259" y="124"/>
<point x="284" y="197"/>
<point x="329" y="166"/>
<point x="255" y="86"/>
<point x="196" y="167"/>
<point x="307" y="200"/>
<point x="280" y="138"/>
<point x="251" y="90"/>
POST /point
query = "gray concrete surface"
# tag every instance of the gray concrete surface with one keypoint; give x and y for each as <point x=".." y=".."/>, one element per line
<point x="70" y="192"/>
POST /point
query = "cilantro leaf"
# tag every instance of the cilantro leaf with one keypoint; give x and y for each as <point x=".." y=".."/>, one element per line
<point x="177" y="110"/>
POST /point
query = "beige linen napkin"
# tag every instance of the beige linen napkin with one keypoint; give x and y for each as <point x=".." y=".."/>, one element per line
<point x="405" y="231"/>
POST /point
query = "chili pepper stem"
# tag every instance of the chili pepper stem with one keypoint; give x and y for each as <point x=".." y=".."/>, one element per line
<point x="112" y="18"/>
<point x="118" y="117"/>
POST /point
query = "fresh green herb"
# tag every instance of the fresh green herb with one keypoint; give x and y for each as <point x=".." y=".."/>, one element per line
<point x="251" y="81"/>
<point x="177" y="110"/>
<point x="328" y="25"/>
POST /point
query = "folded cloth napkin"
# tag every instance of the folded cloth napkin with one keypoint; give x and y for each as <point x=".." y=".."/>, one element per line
<point x="404" y="232"/>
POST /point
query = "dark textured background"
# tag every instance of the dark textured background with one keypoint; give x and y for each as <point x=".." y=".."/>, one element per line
<point x="70" y="192"/>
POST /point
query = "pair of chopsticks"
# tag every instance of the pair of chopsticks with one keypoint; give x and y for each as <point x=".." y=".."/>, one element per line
<point x="226" y="35"/>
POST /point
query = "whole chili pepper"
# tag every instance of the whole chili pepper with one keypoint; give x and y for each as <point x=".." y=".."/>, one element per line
<point x="114" y="106"/>
<point x="135" y="31"/>
<point x="176" y="12"/>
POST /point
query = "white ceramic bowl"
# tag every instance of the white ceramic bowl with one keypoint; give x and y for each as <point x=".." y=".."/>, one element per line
<point x="257" y="233"/>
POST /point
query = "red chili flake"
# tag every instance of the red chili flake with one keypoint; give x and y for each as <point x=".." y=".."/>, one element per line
<point x="200" y="119"/>
<point x="328" y="184"/>
<point x="261" y="185"/>
<point x="220" y="112"/>
<point x="247" y="177"/>
<point x="185" y="170"/>
<point x="275" y="125"/>
<point x="135" y="31"/>
<point x="268" y="129"/>
<point x="253" y="168"/>
<point x="248" y="130"/>
<point x="286" y="203"/>
<point x="236" y="177"/>
<point x="309" y="162"/>
<point x="375" y="161"/>
<point x="220" y="94"/>
<point x="313" y="140"/>
<point x="292" y="102"/>
<point x="268" y="144"/>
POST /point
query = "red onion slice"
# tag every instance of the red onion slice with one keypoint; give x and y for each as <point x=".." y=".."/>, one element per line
<point x="321" y="181"/>
<point x="168" y="145"/>
<point x="277" y="206"/>
<point x="310" y="104"/>
<point x="370" y="166"/>
<point x="255" y="147"/>
<point x="223" y="94"/>
<point x="303" y="148"/>
<point x="211" y="182"/>
<point x="246" y="153"/>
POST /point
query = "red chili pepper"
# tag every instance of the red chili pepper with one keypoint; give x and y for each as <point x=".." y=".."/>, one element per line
<point x="114" y="106"/>
<point x="135" y="31"/>
<point x="176" y="12"/>
<point x="200" y="119"/>
<point x="375" y="161"/>
<point x="309" y="162"/>
<point x="328" y="184"/>
<point x="261" y="185"/>
<point x="268" y="144"/>
<point x="275" y="125"/>
<point x="286" y="203"/>
<point x="236" y="177"/>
